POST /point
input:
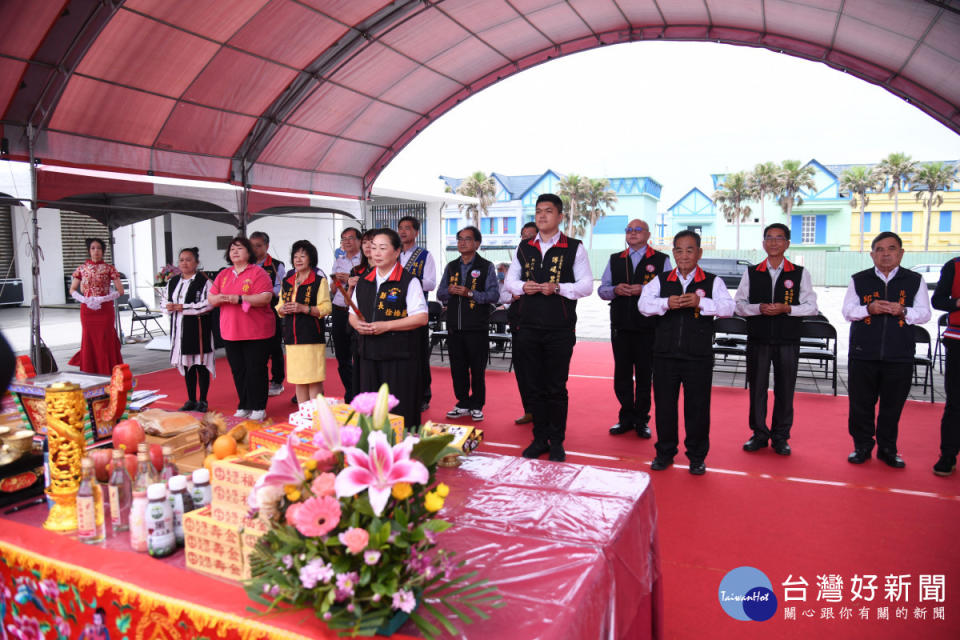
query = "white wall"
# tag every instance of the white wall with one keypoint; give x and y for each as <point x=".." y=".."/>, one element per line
<point x="51" y="256"/>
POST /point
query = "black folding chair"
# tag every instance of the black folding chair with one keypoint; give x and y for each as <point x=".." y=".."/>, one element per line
<point x="922" y="337"/>
<point x="730" y="340"/>
<point x="501" y="338"/>
<point x="436" y="317"/>
<point x="139" y="312"/>
<point x="938" y="353"/>
<point x="825" y="354"/>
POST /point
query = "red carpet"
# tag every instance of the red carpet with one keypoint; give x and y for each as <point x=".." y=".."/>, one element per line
<point x="810" y="514"/>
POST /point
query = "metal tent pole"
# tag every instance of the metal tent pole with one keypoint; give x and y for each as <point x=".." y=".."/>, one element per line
<point x="35" y="340"/>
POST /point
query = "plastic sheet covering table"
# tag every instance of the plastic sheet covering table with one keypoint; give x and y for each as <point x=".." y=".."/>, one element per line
<point x="573" y="549"/>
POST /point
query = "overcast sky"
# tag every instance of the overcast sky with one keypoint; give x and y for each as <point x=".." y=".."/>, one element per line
<point x="674" y="111"/>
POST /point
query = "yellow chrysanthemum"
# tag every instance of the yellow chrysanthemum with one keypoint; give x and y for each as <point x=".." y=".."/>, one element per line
<point x="442" y="490"/>
<point x="310" y="465"/>
<point x="433" y="502"/>
<point x="401" y="490"/>
<point x="292" y="492"/>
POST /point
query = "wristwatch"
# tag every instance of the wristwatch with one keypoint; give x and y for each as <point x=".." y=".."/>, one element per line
<point x="470" y="293"/>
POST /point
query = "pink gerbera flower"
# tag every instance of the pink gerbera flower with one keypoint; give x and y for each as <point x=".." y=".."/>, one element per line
<point x="322" y="485"/>
<point x="317" y="516"/>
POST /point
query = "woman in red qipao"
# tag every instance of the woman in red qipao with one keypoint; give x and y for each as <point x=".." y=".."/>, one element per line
<point x="99" y="347"/>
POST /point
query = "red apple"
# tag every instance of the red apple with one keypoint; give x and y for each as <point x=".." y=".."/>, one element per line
<point x="101" y="458"/>
<point x="127" y="435"/>
<point x="156" y="456"/>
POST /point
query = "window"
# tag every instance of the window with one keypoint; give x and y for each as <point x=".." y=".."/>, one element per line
<point x="866" y="221"/>
<point x="945" y="220"/>
<point x="886" y="221"/>
<point x="906" y="221"/>
<point x="452" y="226"/>
<point x="488" y="226"/>
<point x="808" y="230"/>
<point x="509" y="226"/>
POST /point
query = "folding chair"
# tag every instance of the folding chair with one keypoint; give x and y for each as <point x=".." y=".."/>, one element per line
<point x="139" y="312"/>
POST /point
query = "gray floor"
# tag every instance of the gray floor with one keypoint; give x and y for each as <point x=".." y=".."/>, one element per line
<point x="60" y="330"/>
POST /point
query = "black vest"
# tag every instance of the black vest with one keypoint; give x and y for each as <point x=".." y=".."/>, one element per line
<point x="302" y="328"/>
<point x="884" y="337"/>
<point x="272" y="267"/>
<point x="388" y="302"/>
<point x="685" y="333"/>
<point x="197" y="330"/>
<point x="782" y="329"/>
<point x="624" y="314"/>
<point x="463" y="314"/>
<point x="553" y="311"/>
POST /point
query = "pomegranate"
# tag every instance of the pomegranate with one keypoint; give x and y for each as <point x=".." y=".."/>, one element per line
<point x="156" y="456"/>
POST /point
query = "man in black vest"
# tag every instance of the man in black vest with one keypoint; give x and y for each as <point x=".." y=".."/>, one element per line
<point x="946" y="297"/>
<point x="469" y="289"/>
<point x="631" y="333"/>
<point x="260" y="242"/>
<point x="527" y="233"/>
<point x="688" y="298"/>
<point x="774" y="296"/>
<point x="549" y="273"/>
<point x="881" y="305"/>
<point x="419" y="262"/>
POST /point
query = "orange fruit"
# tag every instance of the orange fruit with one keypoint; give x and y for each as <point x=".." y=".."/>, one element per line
<point x="208" y="462"/>
<point x="224" y="446"/>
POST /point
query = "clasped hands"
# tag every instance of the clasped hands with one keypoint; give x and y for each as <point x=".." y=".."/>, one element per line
<point x="546" y="288"/>
<point x="686" y="301"/>
<point x="458" y="290"/>
<point x="289" y="308"/>
<point x="371" y="328"/>
<point x="173" y="306"/>
<point x="774" y="308"/>
<point x="624" y="289"/>
<point x="879" y="307"/>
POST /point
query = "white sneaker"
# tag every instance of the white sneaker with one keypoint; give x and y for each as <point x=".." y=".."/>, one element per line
<point x="457" y="412"/>
<point x="477" y="415"/>
<point x="259" y="415"/>
<point x="274" y="389"/>
<point x="241" y="413"/>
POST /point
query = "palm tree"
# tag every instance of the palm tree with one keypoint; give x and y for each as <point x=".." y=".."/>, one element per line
<point x="599" y="199"/>
<point x="898" y="168"/>
<point x="857" y="181"/>
<point x="574" y="189"/>
<point x="791" y="180"/>
<point x="763" y="181"/>
<point x="731" y="196"/>
<point x="928" y="181"/>
<point x="482" y="187"/>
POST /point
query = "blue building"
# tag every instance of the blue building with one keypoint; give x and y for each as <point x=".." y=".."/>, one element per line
<point x="515" y="202"/>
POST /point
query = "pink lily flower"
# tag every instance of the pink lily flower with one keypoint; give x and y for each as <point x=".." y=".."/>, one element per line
<point x="379" y="470"/>
<point x="329" y="435"/>
<point x="284" y="469"/>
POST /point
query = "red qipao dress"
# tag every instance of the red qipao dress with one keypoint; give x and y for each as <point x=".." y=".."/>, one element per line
<point x="99" y="347"/>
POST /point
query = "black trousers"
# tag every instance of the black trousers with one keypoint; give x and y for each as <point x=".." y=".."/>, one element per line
<point x="424" y="362"/>
<point x="632" y="369"/>
<point x="869" y="381"/>
<point x="277" y="369"/>
<point x="400" y="376"/>
<point x="468" y="367"/>
<point x="696" y="376"/>
<point x="248" y="364"/>
<point x="784" y="358"/>
<point x="545" y="355"/>
<point x="343" y="348"/>
<point x="950" y="423"/>
<point x="523" y="383"/>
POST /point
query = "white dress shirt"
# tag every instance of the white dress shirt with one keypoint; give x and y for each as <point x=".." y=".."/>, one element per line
<point x="416" y="302"/>
<point x="343" y="264"/>
<point x="583" y="277"/>
<point x="429" y="269"/>
<point x="806" y="306"/>
<point x="720" y="305"/>
<point x="918" y="313"/>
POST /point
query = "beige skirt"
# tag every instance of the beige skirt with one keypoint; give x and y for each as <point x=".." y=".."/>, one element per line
<point x="306" y="363"/>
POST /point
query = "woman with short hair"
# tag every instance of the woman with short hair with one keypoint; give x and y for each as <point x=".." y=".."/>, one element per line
<point x="90" y="286"/>
<point x="393" y="307"/>
<point x="191" y="333"/>
<point x="304" y="301"/>
<point x="243" y="292"/>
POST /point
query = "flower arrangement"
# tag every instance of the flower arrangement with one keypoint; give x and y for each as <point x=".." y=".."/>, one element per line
<point x="354" y="529"/>
<point x="164" y="275"/>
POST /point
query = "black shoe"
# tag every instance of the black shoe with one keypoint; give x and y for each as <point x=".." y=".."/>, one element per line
<point x="424" y="407"/>
<point x="643" y="431"/>
<point x="755" y="443"/>
<point x="536" y="449"/>
<point x="891" y="458"/>
<point x="659" y="464"/>
<point x="698" y="468"/>
<point x="557" y="454"/>
<point x="294" y="400"/>
<point x="189" y="405"/>
<point x="945" y="465"/>
<point x="201" y="406"/>
<point x="620" y="428"/>
<point x="859" y="456"/>
<point x="524" y="419"/>
<point x="782" y="448"/>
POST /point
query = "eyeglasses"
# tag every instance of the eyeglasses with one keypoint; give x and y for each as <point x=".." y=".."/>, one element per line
<point x="465" y="239"/>
<point x="774" y="238"/>
<point x="635" y="230"/>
